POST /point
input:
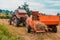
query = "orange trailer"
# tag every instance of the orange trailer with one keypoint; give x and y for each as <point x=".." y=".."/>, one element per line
<point x="42" y="23"/>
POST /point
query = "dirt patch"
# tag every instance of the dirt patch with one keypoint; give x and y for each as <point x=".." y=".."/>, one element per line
<point x="22" y="32"/>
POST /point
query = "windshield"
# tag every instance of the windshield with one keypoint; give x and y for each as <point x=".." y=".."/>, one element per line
<point x="35" y="17"/>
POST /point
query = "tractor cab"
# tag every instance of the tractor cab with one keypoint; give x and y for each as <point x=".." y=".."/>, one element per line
<point x="35" y="15"/>
<point x="19" y="17"/>
<point x="20" y="13"/>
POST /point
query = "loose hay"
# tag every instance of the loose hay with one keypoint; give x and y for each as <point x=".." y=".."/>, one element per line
<point x="40" y="26"/>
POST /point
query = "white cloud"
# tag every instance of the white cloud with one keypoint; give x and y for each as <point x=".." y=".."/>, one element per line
<point x="10" y="4"/>
<point x="13" y="4"/>
<point x="56" y="4"/>
<point x="50" y="11"/>
<point x="52" y="1"/>
<point x="40" y="7"/>
<point x="35" y="5"/>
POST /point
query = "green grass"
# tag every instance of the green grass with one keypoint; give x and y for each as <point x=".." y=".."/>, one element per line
<point x="5" y="34"/>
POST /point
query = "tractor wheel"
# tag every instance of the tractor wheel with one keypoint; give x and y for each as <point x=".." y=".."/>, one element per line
<point x="16" y="22"/>
<point x="29" y="29"/>
<point x="24" y="24"/>
<point x="54" y="29"/>
<point x="10" y="22"/>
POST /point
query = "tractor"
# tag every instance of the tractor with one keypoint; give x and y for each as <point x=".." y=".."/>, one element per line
<point x="42" y="23"/>
<point x="18" y="17"/>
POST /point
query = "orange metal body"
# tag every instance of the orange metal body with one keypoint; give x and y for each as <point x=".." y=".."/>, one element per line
<point x="48" y="20"/>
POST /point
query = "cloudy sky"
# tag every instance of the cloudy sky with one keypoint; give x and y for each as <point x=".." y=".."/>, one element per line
<point x="45" y="6"/>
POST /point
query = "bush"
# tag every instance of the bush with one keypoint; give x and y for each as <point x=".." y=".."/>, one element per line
<point x="5" y="17"/>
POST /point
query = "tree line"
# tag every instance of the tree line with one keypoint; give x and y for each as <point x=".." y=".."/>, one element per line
<point x="5" y="11"/>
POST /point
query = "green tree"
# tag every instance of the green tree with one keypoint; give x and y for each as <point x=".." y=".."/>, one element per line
<point x="7" y="12"/>
<point x="58" y="14"/>
<point x="0" y="10"/>
<point x="19" y="7"/>
<point x="11" y="12"/>
<point x="25" y="6"/>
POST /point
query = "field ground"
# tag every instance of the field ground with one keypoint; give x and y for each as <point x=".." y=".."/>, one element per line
<point x="22" y="32"/>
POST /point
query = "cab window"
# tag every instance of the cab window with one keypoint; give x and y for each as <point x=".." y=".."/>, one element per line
<point x="35" y="17"/>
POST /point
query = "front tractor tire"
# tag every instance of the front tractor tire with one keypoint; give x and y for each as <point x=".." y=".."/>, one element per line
<point x="28" y="29"/>
<point x="16" y="22"/>
<point x="10" y="21"/>
<point x="24" y="24"/>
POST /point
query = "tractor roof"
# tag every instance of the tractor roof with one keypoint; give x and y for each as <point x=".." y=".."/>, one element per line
<point x="21" y="10"/>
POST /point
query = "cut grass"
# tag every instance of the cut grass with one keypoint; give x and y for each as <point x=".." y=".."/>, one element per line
<point x="5" y="34"/>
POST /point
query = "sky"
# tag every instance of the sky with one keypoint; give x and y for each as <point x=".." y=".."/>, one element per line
<point x="51" y="7"/>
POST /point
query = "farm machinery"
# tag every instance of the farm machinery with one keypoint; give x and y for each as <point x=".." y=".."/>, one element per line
<point x="36" y="21"/>
<point x="18" y="17"/>
<point x="42" y="23"/>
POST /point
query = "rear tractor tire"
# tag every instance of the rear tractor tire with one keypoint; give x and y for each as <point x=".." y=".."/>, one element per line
<point x="54" y="29"/>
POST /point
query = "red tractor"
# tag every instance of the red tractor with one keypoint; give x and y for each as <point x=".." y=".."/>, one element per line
<point x="42" y="23"/>
<point x="18" y="17"/>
